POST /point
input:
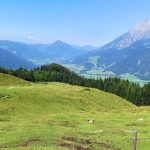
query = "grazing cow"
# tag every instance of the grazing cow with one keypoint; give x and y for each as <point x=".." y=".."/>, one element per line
<point x="91" y="120"/>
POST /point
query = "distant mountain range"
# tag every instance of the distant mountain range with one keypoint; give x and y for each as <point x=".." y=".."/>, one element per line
<point x="9" y="60"/>
<point x="38" y="54"/>
<point x="135" y="60"/>
<point x="128" y="54"/>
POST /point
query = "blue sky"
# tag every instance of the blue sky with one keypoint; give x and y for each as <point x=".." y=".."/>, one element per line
<point x="81" y="22"/>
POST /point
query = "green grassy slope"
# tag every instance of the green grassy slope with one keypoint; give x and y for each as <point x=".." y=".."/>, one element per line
<point x="8" y="80"/>
<point x="58" y="98"/>
<point x="53" y="116"/>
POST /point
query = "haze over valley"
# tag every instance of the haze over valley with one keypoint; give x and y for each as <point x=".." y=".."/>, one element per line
<point x="127" y="56"/>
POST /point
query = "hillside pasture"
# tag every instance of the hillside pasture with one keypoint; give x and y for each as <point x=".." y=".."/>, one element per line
<point x="54" y="116"/>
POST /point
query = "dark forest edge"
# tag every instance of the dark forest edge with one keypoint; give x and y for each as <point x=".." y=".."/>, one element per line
<point x="130" y="91"/>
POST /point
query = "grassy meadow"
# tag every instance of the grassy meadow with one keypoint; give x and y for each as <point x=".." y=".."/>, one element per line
<point x="54" y="116"/>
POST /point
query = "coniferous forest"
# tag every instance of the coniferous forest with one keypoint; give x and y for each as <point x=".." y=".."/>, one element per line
<point x="133" y="92"/>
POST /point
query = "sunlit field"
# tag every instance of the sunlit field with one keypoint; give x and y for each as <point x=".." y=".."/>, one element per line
<point x="60" y="116"/>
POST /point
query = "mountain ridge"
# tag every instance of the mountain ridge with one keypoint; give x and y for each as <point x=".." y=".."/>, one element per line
<point x="11" y="61"/>
<point x="110" y="56"/>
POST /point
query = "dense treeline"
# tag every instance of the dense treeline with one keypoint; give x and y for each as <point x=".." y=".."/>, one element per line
<point x="133" y="92"/>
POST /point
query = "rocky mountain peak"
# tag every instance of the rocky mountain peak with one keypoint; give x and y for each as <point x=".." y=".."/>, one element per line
<point x="140" y="30"/>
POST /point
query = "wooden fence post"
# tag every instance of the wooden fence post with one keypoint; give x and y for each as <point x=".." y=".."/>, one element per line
<point x="134" y="140"/>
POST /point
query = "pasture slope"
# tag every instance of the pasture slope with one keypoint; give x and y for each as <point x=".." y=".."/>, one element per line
<point x="54" y="116"/>
<point x="8" y="80"/>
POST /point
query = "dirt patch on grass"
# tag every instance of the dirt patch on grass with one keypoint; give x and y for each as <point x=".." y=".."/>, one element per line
<point x="4" y="146"/>
<point x="67" y="145"/>
<point x="82" y="144"/>
<point x="82" y="148"/>
<point x="67" y="124"/>
<point x="71" y="143"/>
<point x="32" y="142"/>
<point x="73" y="147"/>
<point x="72" y="139"/>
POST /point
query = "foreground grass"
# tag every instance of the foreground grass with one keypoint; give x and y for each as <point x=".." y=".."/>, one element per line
<point x="110" y="130"/>
<point x="55" y="116"/>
